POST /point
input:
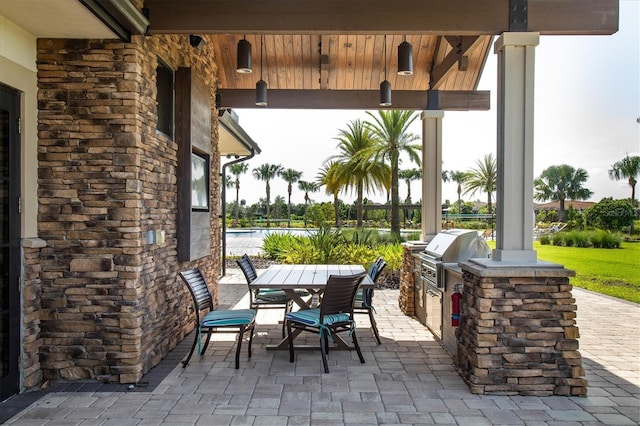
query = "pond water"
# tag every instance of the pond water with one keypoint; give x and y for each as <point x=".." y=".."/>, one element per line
<point x="262" y="232"/>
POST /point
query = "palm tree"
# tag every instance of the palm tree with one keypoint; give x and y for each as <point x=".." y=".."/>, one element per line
<point x="266" y="172"/>
<point x="390" y="129"/>
<point x="290" y="176"/>
<point x="307" y="187"/>
<point x="355" y="172"/>
<point x="409" y="175"/>
<point x="458" y="177"/>
<point x="329" y="176"/>
<point x="238" y="169"/>
<point x="627" y="168"/>
<point x="559" y="183"/>
<point x="483" y="178"/>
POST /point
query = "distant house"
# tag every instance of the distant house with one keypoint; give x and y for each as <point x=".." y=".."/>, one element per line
<point x="555" y="205"/>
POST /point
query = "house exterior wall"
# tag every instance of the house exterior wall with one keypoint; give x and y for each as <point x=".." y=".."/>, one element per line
<point x="111" y="305"/>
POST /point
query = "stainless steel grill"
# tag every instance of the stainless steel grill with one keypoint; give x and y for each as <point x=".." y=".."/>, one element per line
<point x="450" y="246"/>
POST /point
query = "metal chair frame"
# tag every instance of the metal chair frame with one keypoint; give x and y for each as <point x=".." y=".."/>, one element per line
<point x="255" y="302"/>
<point x="338" y="299"/>
<point x="202" y="300"/>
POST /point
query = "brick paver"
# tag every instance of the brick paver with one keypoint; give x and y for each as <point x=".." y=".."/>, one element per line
<point x="409" y="379"/>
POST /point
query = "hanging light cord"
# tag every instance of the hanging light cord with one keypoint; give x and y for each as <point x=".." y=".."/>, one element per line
<point x="261" y="53"/>
<point x="385" y="56"/>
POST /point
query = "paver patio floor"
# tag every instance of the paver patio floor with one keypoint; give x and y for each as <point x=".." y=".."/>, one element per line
<point x="409" y="379"/>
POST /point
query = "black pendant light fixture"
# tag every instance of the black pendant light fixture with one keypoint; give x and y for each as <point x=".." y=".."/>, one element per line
<point x="244" y="57"/>
<point x="261" y="85"/>
<point x="385" y="86"/>
<point x="405" y="58"/>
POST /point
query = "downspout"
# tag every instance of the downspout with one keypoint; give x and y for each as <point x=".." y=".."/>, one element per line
<point x="224" y="206"/>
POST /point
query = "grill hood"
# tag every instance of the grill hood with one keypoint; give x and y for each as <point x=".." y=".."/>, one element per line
<point x="457" y="245"/>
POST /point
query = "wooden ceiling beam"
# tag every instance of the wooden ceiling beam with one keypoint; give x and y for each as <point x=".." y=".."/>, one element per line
<point x="359" y="99"/>
<point x="460" y="46"/>
<point x="431" y="17"/>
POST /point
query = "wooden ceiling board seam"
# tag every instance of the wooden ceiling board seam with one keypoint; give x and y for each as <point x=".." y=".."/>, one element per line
<point x="341" y="69"/>
<point x="217" y="55"/>
<point x="270" y="73"/>
<point x="290" y="60"/>
<point x="334" y="64"/>
<point x="427" y="44"/>
<point x="307" y="68"/>
<point x="367" y="71"/>
<point x="351" y="59"/>
<point x="360" y="53"/>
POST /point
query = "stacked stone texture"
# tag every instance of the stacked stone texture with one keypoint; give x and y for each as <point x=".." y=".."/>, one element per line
<point x="407" y="285"/>
<point x="111" y="304"/>
<point x="518" y="336"/>
<point x="31" y="310"/>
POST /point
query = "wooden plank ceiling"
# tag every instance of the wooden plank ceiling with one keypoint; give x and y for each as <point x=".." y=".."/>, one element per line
<point x="334" y="50"/>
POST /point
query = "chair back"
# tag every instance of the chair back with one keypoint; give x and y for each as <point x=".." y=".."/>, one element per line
<point x="381" y="265"/>
<point x="248" y="269"/>
<point x="339" y="294"/>
<point x="199" y="289"/>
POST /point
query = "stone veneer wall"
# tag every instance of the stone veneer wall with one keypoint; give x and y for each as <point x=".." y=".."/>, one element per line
<point x="31" y="309"/>
<point x="517" y="332"/>
<point x="111" y="305"/>
<point x="407" y="285"/>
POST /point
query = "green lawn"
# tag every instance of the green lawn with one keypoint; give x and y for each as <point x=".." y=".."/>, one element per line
<point x="615" y="272"/>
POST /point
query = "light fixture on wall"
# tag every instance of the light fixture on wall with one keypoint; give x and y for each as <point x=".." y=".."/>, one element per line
<point x="261" y="85"/>
<point x="405" y="58"/>
<point x="244" y="56"/>
<point x="385" y="86"/>
<point x="196" y="41"/>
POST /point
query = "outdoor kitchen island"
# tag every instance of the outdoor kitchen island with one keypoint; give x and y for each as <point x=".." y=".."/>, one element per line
<point x="517" y="333"/>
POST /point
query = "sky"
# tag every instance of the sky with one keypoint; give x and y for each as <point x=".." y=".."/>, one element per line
<point x="587" y="115"/>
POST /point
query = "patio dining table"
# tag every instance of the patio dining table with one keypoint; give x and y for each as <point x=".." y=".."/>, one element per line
<point x="312" y="278"/>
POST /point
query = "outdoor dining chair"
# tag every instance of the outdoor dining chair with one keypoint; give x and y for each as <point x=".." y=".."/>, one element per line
<point x="335" y="315"/>
<point x="364" y="297"/>
<point x="265" y="298"/>
<point x="215" y="321"/>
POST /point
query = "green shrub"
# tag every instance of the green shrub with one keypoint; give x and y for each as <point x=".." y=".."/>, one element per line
<point x="604" y="239"/>
<point x="413" y="236"/>
<point x="545" y="239"/>
<point x="610" y="214"/>
<point x="558" y="239"/>
<point x="330" y="246"/>
<point x="597" y="238"/>
<point x="578" y="239"/>
<point x="277" y="244"/>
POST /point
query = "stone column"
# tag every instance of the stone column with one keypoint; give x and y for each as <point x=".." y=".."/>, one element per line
<point x="431" y="173"/>
<point x="514" y="209"/>
<point x="517" y="333"/>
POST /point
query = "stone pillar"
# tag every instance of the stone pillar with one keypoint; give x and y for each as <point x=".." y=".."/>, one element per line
<point x="431" y="173"/>
<point x="407" y="279"/>
<point x="514" y="206"/>
<point x="517" y="333"/>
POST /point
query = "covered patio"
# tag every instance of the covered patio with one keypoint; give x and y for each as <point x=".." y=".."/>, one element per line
<point x="409" y="379"/>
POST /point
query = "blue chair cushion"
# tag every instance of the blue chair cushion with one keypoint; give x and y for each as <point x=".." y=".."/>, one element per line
<point x="228" y="318"/>
<point x="311" y="317"/>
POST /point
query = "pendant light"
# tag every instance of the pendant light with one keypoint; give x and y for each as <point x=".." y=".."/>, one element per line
<point x="405" y="58"/>
<point x="385" y="86"/>
<point x="261" y="85"/>
<point x="244" y="57"/>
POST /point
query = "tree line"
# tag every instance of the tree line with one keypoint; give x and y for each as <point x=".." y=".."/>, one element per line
<point x="368" y="159"/>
